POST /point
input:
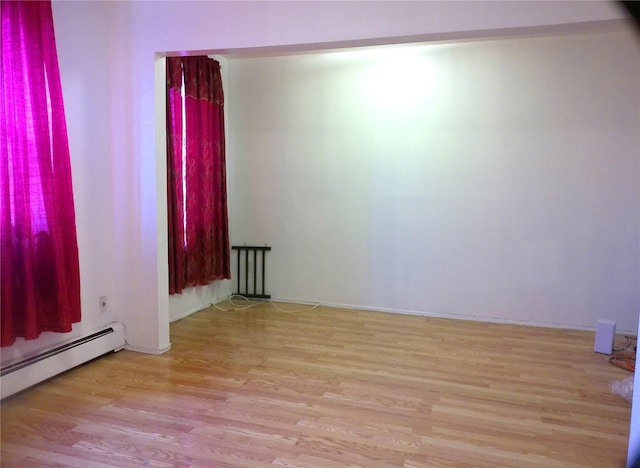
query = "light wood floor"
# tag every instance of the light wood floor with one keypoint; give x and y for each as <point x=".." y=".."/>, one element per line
<point x="327" y="388"/>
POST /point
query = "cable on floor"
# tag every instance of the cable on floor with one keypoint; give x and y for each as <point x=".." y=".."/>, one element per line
<point x="252" y="303"/>
<point x="629" y="341"/>
<point x="625" y="356"/>
<point x="248" y="304"/>
<point x="308" y="309"/>
<point x="624" y="359"/>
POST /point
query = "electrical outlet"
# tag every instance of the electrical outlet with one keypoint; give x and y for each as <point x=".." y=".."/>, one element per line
<point x="103" y="304"/>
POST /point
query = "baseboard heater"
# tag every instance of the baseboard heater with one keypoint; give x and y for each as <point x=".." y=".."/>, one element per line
<point x="254" y="263"/>
<point x="21" y="375"/>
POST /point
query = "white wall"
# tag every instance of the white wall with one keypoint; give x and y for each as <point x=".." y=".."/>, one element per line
<point x="495" y="179"/>
<point x="108" y="61"/>
<point x="219" y="26"/>
<point x="84" y="70"/>
<point x="108" y="51"/>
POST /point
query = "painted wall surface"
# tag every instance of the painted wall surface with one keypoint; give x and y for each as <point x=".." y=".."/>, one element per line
<point x="85" y="87"/>
<point x="109" y="49"/>
<point x="113" y="98"/>
<point x="495" y="179"/>
<point x="218" y="26"/>
<point x="194" y="299"/>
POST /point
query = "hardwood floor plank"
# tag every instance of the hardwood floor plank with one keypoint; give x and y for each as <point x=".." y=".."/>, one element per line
<point x="36" y="457"/>
<point x="330" y="388"/>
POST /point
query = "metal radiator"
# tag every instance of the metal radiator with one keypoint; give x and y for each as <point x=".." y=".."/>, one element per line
<point x="254" y="271"/>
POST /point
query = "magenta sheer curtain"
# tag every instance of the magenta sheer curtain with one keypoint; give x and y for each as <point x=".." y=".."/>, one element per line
<point x="196" y="177"/>
<point x="39" y="273"/>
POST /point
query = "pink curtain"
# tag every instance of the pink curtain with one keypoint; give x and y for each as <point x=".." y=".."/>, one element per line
<point x="197" y="192"/>
<point x="177" y="251"/>
<point x="39" y="273"/>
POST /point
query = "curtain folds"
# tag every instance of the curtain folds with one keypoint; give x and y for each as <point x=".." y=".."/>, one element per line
<point x="39" y="274"/>
<point x="196" y="177"/>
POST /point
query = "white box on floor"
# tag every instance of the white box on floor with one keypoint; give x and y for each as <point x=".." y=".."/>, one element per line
<point x="605" y="331"/>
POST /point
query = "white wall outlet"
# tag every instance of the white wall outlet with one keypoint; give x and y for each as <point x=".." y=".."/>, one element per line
<point x="103" y="304"/>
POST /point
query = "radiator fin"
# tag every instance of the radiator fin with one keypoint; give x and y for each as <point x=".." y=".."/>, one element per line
<point x="254" y="271"/>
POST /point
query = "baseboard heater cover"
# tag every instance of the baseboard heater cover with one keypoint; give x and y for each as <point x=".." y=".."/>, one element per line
<point x="251" y="265"/>
<point x="31" y="371"/>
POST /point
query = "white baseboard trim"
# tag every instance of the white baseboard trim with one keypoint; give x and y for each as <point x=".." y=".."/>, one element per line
<point x="55" y="360"/>
<point x="199" y="308"/>
<point x="473" y="318"/>
<point x="147" y="350"/>
<point x="189" y="312"/>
